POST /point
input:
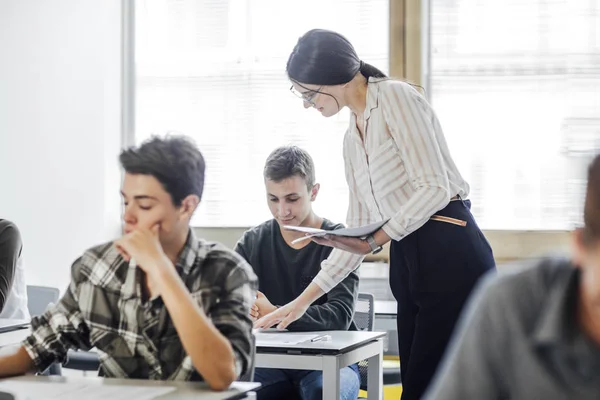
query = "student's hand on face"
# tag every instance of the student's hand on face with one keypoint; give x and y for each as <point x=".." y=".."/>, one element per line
<point x="143" y="246"/>
<point x="283" y="316"/>
<point x="262" y="306"/>
<point x="254" y="312"/>
<point x="349" y="244"/>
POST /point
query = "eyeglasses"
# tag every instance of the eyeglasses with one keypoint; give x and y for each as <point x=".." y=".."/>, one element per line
<point x="306" y="97"/>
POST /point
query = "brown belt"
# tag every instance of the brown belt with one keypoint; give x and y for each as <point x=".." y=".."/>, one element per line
<point x="450" y="220"/>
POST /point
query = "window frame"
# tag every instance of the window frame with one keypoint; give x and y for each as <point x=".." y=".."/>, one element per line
<point x="409" y="57"/>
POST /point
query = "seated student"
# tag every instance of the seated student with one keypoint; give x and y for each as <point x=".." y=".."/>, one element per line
<point x="13" y="291"/>
<point x="158" y="303"/>
<point x="285" y="269"/>
<point x="534" y="333"/>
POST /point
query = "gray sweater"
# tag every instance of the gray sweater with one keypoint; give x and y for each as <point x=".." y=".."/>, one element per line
<point x="283" y="273"/>
<point x="520" y="339"/>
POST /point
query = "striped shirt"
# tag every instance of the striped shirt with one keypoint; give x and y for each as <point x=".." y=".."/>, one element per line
<point x="103" y="308"/>
<point x="402" y="170"/>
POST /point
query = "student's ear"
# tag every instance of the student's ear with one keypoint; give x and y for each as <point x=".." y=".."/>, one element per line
<point x="578" y="247"/>
<point x="314" y="191"/>
<point x="189" y="205"/>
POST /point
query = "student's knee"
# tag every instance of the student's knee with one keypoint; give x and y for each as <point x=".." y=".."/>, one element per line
<point x="275" y="384"/>
<point x="269" y="376"/>
<point x="311" y="386"/>
<point x="9" y="228"/>
<point x="4" y="223"/>
<point x="10" y="237"/>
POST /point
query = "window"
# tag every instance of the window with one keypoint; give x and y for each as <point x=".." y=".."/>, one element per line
<point x="516" y="85"/>
<point x="215" y="70"/>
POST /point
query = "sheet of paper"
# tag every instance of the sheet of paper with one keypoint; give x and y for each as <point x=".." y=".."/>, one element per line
<point x="277" y="339"/>
<point x="24" y="390"/>
<point x="305" y="229"/>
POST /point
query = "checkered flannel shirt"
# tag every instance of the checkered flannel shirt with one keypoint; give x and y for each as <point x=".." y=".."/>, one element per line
<point x="103" y="309"/>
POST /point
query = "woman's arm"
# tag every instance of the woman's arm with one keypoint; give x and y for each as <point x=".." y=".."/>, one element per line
<point x="425" y="156"/>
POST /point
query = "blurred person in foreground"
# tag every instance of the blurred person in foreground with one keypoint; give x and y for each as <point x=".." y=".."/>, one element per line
<point x="533" y="333"/>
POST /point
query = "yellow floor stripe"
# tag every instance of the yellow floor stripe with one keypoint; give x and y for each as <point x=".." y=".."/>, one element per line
<point x="391" y="392"/>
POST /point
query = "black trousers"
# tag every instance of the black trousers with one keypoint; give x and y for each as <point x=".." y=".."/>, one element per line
<point x="432" y="273"/>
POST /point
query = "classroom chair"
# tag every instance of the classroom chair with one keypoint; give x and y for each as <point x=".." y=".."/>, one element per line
<point x="39" y="298"/>
<point x="364" y="318"/>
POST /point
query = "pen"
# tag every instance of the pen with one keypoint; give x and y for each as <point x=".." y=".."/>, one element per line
<point x="301" y="239"/>
<point x="319" y="338"/>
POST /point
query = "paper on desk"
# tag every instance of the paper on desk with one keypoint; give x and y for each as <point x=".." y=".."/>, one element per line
<point x="360" y="231"/>
<point x="24" y="390"/>
<point x="276" y="339"/>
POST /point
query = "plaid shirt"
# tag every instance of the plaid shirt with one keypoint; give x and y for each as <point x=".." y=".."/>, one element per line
<point x="103" y="308"/>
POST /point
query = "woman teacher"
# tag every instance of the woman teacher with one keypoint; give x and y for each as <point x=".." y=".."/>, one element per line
<point x="398" y="166"/>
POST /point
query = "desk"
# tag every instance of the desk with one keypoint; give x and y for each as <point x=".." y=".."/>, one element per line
<point x="385" y="320"/>
<point x="183" y="390"/>
<point x="386" y="307"/>
<point x="344" y="348"/>
<point x="7" y="324"/>
<point x="13" y="338"/>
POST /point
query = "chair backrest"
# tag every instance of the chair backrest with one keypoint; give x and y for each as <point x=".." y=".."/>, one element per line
<point x="39" y="298"/>
<point x="249" y="375"/>
<point x="364" y="312"/>
<point x="364" y="318"/>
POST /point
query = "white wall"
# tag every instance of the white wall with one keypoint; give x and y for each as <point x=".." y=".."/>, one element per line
<point x="60" y="71"/>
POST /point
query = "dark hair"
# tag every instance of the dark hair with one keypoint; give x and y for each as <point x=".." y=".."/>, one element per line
<point x="323" y="57"/>
<point x="287" y="161"/>
<point x="591" y="210"/>
<point x="174" y="161"/>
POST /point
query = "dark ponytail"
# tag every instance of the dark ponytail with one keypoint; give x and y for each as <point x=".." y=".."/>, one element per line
<point x="369" y="71"/>
<point x="323" y="57"/>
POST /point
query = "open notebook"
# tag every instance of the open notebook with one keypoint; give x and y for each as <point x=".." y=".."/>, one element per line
<point x="360" y="232"/>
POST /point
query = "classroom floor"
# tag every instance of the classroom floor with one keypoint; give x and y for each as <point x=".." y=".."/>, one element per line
<point x="390" y="392"/>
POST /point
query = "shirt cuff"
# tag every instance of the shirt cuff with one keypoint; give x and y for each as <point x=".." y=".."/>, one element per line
<point x="394" y="230"/>
<point x="33" y="353"/>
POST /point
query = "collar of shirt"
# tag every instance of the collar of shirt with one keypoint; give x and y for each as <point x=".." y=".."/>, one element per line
<point x="557" y="333"/>
<point x="555" y="324"/>
<point x="372" y="96"/>
<point x="186" y="261"/>
<point x="371" y="104"/>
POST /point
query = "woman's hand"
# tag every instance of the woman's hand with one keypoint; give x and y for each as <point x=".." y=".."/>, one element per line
<point x="283" y="316"/>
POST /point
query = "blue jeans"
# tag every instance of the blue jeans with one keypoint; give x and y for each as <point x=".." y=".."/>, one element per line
<point x="302" y="384"/>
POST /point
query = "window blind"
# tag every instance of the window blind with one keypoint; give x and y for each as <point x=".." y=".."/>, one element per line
<point x="516" y="85"/>
<point x="215" y="70"/>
